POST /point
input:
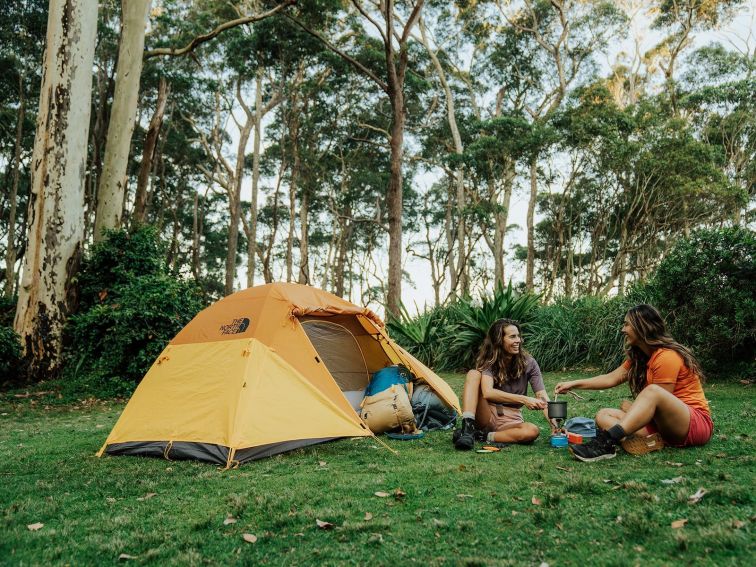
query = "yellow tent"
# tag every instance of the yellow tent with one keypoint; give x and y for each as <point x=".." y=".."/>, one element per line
<point x="263" y="371"/>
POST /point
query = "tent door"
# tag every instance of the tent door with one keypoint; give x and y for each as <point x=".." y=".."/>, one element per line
<point x="342" y="356"/>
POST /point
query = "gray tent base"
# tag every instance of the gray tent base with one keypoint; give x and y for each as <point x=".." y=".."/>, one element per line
<point x="208" y="452"/>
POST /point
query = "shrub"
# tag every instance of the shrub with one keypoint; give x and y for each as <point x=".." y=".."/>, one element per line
<point x="112" y="342"/>
<point x="10" y="356"/>
<point x="707" y="284"/>
<point x="424" y="336"/>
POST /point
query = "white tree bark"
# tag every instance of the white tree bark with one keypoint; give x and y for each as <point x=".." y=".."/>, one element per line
<point x="112" y="189"/>
<point x="56" y="204"/>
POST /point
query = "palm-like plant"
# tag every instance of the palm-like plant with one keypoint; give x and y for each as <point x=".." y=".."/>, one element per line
<point x="423" y="336"/>
<point x="472" y="321"/>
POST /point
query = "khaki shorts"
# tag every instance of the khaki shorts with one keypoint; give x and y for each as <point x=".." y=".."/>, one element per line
<point x="503" y="416"/>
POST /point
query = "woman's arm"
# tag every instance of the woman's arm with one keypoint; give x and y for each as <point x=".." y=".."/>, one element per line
<point x="543" y="395"/>
<point x="495" y="396"/>
<point x="601" y="382"/>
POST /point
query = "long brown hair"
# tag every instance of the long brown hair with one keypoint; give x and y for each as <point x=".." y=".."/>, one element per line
<point x="505" y="367"/>
<point x="650" y="328"/>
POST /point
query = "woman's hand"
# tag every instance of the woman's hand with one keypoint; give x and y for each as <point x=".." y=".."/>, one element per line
<point x="533" y="403"/>
<point x="563" y="387"/>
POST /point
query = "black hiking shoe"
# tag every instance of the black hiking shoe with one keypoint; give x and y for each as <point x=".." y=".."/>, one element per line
<point x="600" y="448"/>
<point x="464" y="438"/>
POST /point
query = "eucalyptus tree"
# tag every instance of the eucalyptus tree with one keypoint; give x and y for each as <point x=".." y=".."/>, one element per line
<point x="392" y="24"/>
<point x="56" y="218"/>
<point x="21" y="43"/>
<point x="546" y="49"/>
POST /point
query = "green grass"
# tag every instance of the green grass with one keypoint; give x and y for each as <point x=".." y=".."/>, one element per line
<point x="459" y="508"/>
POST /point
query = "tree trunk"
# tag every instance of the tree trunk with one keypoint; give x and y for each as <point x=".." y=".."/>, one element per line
<point x="10" y="252"/>
<point x="394" y="205"/>
<point x="112" y="189"/>
<point x="304" y="259"/>
<point x="56" y="200"/>
<point x="148" y="153"/>
<point x="252" y="237"/>
<point x="196" y="237"/>
<point x="529" y="272"/>
<point x="235" y="206"/>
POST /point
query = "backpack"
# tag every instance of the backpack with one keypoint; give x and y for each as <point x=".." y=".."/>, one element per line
<point x="430" y="411"/>
<point x="387" y="377"/>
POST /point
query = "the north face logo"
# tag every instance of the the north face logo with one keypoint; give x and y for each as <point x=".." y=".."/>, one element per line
<point x="235" y="327"/>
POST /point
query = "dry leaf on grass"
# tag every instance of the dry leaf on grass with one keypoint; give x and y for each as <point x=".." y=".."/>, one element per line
<point x="110" y="500"/>
<point x="125" y="557"/>
<point x="565" y="469"/>
<point x="35" y="527"/>
<point x="463" y="496"/>
<point x="737" y="524"/>
<point x="368" y="516"/>
<point x="674" y="480"/>
<point x="677" y="524"/>
<point x="696" y="497"/>
<point x="147" y="496"/>
<point x="535" y="501"/>
<point x="322" y="464"/>
<point x="249" y="538"/>
<point x="399" y="493"/>
<point x="229" y="520"/>
<point x="324" y="525"/>
<point x="381" y="494"/>
<point x="671" y="464"/>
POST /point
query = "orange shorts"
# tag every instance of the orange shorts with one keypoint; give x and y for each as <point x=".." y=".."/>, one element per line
<point x="699" y="432"/>
<point x="503" y="416"/>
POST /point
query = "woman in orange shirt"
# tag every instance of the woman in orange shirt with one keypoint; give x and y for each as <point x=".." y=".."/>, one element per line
<point x="665" y="380"/>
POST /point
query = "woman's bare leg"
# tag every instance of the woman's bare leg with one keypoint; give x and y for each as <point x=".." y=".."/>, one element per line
<point x="669" y="414"/>
<point x="608" y="417"/>
<point x="519" y="433"/>
<point x="471" y="391"/>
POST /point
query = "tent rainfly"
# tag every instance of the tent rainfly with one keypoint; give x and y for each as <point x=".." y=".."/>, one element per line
<point x="263" y="371"/>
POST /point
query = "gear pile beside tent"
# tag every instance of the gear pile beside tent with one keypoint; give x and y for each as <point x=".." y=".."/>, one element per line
<point x="263" y="371"/>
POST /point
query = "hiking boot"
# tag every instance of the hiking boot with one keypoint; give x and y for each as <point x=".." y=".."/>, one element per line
<point x="464" y="438"/>
<point x="601" y="447"/>
<point x="642" y="444"/>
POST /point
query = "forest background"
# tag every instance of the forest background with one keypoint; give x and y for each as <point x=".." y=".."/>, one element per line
<point x="293" y="142"/>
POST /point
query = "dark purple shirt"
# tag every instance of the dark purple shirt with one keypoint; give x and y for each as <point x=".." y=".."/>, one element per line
<point x="519" y="386"/>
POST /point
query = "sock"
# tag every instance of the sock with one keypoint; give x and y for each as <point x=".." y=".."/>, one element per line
<point x="616" y="432"/>
<point x="490" y="437"/>
<point x="468" y="415"/>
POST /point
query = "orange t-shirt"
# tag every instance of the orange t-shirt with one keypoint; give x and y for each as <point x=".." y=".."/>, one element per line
<point x="667" y="367"/>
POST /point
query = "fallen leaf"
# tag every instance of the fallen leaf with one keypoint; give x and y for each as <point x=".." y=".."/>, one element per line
<point x="535" y="501"/>
<point x="322" y="463"/>
<point x="299" y="534"/>
<point x="515" y="512"/>
<point x="147" y="496"/>
<point x="671" y="464"/>
<point x="675" y="480"/>
<point x="564" y="469"/>
<point x="618" y="519"/>
<point x="745" y="382"/>
<point x="462" y="468"/>
<point x="720" y="455"/>
<point x="399" y="493"/>
<point x="677" y="524"/>
<point x="608" y="480"/>
<point x="110" y="500"/>
<point x="695" y="498"/>
<point x="35" y="527"/>
<point x="723" y="437"/>
<point x="381" y="494"/>
<point x="639" y="548"/>
<point x="737" y="524"/>
<point x="463" y="496"/>
<point x="368" y="516"/>
<point x="249" y="538"/>
<point x="543" y="564"/>
<point x="229" y="520"/>
<point x="323" y="525"/>
<point x="125" y="557"/>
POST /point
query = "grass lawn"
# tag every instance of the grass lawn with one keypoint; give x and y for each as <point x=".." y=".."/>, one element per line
<point x="522" y="506"/>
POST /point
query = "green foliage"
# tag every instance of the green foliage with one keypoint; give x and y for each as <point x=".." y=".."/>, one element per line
<point x="707" y="284"/>
<point x="10" y="355"/>
<point x="124" y="326"/>
<point x="473" y="319"/>
<point x="423" y="336"/>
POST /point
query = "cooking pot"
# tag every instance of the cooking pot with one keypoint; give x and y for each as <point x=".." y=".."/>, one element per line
<point x="557" y="410"/>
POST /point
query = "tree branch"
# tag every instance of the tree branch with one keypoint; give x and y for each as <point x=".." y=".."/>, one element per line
<point x="174" y="52"/>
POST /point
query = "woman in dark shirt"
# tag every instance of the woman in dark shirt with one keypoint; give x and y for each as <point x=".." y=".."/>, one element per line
<point x="497" y="388"/>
